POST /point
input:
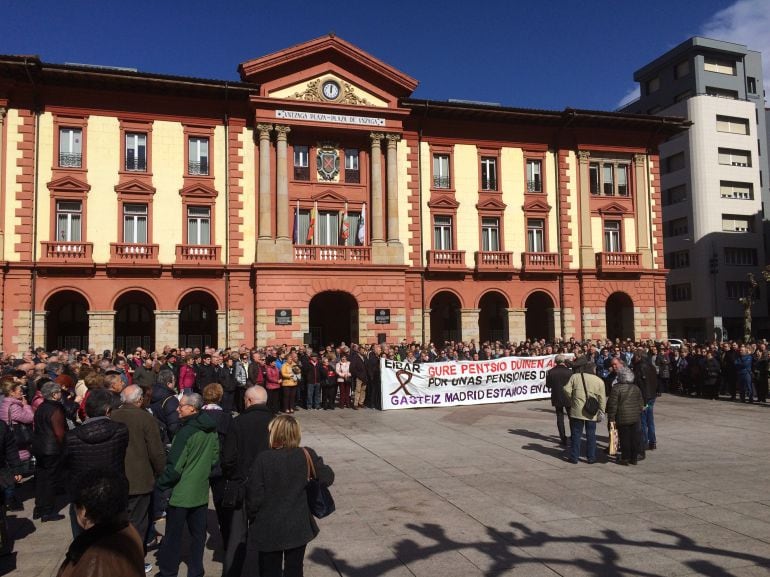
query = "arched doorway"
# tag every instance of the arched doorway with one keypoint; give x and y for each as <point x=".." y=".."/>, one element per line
<point x="333" y="319"/>
<point x="619" y="315"/>
<point x="445" y="318"/>
<point x="134" y="321"/>
<point x="66" y="321"/>
<point x="198" y="320"/>
<point x="539" y="316"/>
<point x="493" y="317"/>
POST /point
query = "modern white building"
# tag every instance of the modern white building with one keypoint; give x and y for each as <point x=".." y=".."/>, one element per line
<point x="714" y="184"/>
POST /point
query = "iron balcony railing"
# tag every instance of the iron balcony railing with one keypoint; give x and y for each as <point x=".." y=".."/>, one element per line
<point x="70" y="159"/>
<point x="441" y="182"/>
<point x="200" y="168"/>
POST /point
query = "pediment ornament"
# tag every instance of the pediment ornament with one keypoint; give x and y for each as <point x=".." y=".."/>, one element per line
<point x="312" y="93"/>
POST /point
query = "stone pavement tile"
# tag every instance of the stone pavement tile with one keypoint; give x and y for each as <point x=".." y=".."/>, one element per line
<point x="669" y="519"/>
<point x="753" y="509"/>
<point x="674" y="500"/>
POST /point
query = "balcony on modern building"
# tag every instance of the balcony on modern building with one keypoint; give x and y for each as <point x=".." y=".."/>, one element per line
<point x="618" y="261"/>
<point x="133" y="254"/>
<point x="494" y="261"/>
<point x="67" y="253"/>
<point x="330" y="254"/>
<point x="540" y="262"/>
<point x="199" y="255"/>
<point x="446" y="260"/>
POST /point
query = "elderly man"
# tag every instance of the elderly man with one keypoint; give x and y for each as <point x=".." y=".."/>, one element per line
<point x="50" y="426"/>
<point x="555" y="380"/>
<point x="193" y="454"/>
<point x="145" y="456"/>
<point x="581" y="385"/>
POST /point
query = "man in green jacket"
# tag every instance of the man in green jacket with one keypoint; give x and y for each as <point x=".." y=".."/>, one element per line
<point x="194" y="452"/>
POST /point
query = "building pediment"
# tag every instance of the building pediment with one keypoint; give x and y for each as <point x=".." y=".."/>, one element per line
<point x="328" y="196"/>
<point x="445" y="202"/>
<point x="199" y="191"/>
<point x="536" y="205"/>
<point x="491" y="204"/>
<point x="300" y="73"/>
<point x="69" y="184"/>
<point x="613" y="208"/>
<point x="135" y="187"/>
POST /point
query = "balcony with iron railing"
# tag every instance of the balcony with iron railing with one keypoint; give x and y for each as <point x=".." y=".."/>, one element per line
<point x="198" y="254"/>
<point x="330" y="254"/>
<point x="352" y="176"/>
<point x="301" y="173"/>
<point x="488" y="184"/>
<point x="70" y="160"/>
<point x="493" y="261"/>
<point x="540" y="262"/>
<point x="443" y="260"/>
<point x="442" y="182"/>
<point x="133" y="254"/>
<point x="67" y="253"/>
<point x="198" y="168"/>
<point x="617" y="261"/>
<point x="534" y="185"/>
<point x="136" y="165"/>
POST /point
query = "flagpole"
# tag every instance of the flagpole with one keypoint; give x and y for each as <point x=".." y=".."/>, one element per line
<point x="315" y="228"/>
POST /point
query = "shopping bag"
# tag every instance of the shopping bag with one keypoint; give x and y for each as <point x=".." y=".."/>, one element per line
<point x="613" y="439"/>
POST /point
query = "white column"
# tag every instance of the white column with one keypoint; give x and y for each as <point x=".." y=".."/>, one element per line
<point x="265" y="214"/>
<point x="392" y="181"/>
<point x="377" y="232"/>
<point x="282" y="183"/>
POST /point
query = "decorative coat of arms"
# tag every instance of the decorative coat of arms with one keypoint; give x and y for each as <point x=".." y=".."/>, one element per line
<point x="328" y="161"/>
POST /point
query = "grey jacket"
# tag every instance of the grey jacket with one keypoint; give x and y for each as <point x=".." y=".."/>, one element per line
<point x="276" y="500"/>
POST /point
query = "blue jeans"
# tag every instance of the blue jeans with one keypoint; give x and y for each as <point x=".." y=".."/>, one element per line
<point x="576" y="432"/>
<point x="648" y="425"/>
<point x="314" y="395"/>
<point x="171" y="547"/>
<point x="745" y="388"/>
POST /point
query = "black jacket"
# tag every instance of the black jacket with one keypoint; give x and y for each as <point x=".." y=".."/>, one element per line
<point x="49" y="428"/>
<point x="9" y="456"/>
<point x="276" y="499"/>
<point x="357" y="367"/>
<point x="223" y="420"/>
<point x="372" y="367"/>
<point x="205" y="375"/>
<point x="646" y="378"/>
<point x="99" y="443"/>
<point x="246" y="438"/>
<point x="163" y="405"/>
<point x="555" y="380"/>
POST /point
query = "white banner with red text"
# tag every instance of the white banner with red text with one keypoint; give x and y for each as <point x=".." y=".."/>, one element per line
<point x="410" y="385"/>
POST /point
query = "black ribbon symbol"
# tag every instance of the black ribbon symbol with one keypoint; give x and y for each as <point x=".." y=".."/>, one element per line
<point x="403" y="378"/>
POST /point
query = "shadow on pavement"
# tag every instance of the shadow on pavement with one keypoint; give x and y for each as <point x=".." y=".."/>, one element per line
<point x="517" y="549"/>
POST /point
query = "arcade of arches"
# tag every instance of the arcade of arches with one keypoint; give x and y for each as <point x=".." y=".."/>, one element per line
<point x="333" y="316"/>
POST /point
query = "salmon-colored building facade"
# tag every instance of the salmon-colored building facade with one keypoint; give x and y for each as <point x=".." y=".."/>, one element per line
<point x="316" y="201"/>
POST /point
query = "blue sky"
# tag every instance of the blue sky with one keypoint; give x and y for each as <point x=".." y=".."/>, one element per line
<point x="548" y="54"/>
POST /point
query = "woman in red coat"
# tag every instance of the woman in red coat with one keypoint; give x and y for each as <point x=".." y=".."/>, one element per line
<point x="273" y="385"/>
<point x="187" y="376"/>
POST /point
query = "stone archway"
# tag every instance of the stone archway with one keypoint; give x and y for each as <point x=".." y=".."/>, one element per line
<point x="619" y="316"/>
<point x="493" y="317"/>
<point x="66" y="321"/>
<point x="539" y="316"/>
<point x="333" y="317"/>
<point x="445" y="318"/>
<point x="198" y="320"/>
<point x="134" y="321"/>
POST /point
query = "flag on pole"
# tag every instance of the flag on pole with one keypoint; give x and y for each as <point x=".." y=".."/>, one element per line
<point x="311" y="227"/>
<point x="345" y="227"/>
<point x="295" y="235"/>
<point x="361" y="234"/>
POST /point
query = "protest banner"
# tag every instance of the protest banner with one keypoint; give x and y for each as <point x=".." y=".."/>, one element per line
<point x="409" y="385"/>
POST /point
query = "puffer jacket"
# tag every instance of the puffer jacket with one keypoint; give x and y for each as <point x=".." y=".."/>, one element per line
<point x="625" y="404"/>
<point x="13" y="410"/>
<point x="98" y="443"/>
<point x="163" y="405"/>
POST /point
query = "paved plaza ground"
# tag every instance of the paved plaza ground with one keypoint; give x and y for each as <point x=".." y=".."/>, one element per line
<point x="483" y="490"/>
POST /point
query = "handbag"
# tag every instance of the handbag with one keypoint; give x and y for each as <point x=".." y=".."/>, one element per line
<point x="592" y="405"/>
<point x="613" y="448"/>
<point x="319" y="499"/>
<point x="233" y="494"/>
<point x="21" y="432"/>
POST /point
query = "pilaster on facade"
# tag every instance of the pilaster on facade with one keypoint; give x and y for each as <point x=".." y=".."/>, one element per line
<point x="166" y="327"/>
<point x="101" y="327"/>
<point x="469" y="325"/>
<point x="587" y="258"/>
<point x="517" y="324"/>
<point x="643" y="232"/>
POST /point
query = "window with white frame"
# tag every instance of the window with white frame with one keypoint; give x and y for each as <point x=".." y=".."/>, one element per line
<point x="732" y="125"/>
<point x="135" y="223"/>
<point x="441" y="177"/>
<point x="612" y="236"/>
<point x="535" y="235"/>
<point x="70" y="147"/>
<point x="352" y="173"/>
<point x="198" y="225"/>
<point x="737" y="223"/>
<point x="534" y="175"/>
<point x="734" y="157"/>
<point x="739" y="256"/>
<point x="301" y="162"/>
<point x="442" y="232"/>
<point x="69" y="215"/>
<point x="328" y="225"/>
<point x="136" y="151"/>
<point x="488" y="173"/>
<point x="736" y="190"/>
<point x="198" y="155"/>
<point x="490" y="233"/>
<point x="621" y="172"/>
<point x="608" y="178"/>
<point x="718" y="65"/>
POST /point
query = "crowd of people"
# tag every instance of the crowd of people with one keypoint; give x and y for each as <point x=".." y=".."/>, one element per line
<point x="180" y="423"/>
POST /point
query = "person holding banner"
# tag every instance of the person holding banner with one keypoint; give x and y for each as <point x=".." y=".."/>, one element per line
<point x="358" y="374"/>
<point x="581" y="386"/>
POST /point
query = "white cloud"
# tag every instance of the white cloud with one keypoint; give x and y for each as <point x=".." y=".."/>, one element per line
<point x="630" y="96"/>
<point x="745" y="22"/>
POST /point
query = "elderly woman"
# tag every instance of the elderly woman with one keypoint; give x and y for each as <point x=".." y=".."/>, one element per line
<point x="624" y="409"/>
<point x="212" y="397"/>
<point x="15" y="410"/>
